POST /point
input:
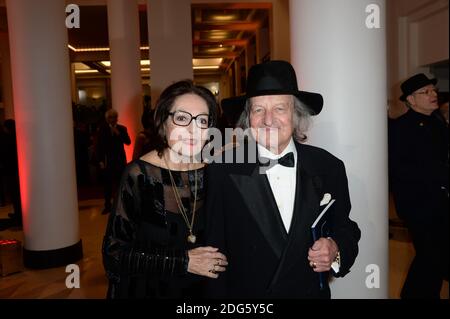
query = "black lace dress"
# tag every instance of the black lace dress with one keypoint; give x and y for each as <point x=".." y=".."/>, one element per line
<point x="145" y="245"/>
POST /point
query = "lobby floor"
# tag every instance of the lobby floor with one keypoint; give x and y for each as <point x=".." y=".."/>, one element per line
<point x="50" y="283"/>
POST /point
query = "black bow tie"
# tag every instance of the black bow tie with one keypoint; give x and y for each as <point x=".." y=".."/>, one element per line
<point x="287" y="160"/>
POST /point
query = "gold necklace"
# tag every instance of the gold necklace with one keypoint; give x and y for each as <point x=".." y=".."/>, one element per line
<point x="191" y="238"/>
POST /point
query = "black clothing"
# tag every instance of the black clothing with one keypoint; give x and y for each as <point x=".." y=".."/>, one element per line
<point x="145" y="142"/>
<point x="110" y="149"/>
<point x="145" y="245"/>
<point x="111" y="152"/>
<point x="266" y="261"/>
<point x="82" y="143"/>
<point x="11" y="173"/>
<point x="418" y="165"/>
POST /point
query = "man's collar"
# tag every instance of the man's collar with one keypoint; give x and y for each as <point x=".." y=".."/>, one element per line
<point x="264" y="152"/>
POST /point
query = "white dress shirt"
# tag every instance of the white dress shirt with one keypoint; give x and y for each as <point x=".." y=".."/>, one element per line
<point x="282" y="180"/>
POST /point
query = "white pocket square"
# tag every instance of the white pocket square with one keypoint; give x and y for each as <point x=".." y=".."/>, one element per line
<point x="326" y="199"/>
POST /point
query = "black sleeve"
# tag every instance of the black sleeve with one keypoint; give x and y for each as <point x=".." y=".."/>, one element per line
<point x="121" y="254"/>
<point x="124" y="135"/>
<point x="215" y="226"/>
<point x="346" y="232"/>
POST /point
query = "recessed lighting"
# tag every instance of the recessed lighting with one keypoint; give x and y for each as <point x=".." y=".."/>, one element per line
<point x="224" y="17"/>
<point x="107" y="64"/>
<point x="97" y="49"/>
<point x="206" y="67"/>
<point x="86" y="71"/>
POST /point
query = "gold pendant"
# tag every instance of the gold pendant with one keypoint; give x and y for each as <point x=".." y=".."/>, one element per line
<point x="191" y="238"/>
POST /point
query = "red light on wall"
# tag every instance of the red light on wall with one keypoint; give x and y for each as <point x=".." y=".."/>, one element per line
<point x="5" y="242"/>
<point x="23" y="167"/>
<point x="129" y="116"/>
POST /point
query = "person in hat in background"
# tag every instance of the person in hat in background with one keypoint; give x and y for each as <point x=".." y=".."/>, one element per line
<point x="418" y="171"/>
<point x="261" y="219"/>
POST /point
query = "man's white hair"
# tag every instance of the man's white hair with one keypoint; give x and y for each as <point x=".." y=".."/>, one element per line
<point x="111" y="112"/>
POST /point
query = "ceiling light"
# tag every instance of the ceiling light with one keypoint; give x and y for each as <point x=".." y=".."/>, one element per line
<point x="81" y="66"/>
<point x="210" y="61"/>
<point x="206" y="67"/>
<point x="224" y="17"/>
<point x="97" y="49"/>
<point x="107" y="64"/>
<point x="86" y="71"/>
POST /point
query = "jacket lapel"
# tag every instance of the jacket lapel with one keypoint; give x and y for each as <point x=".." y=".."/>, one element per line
<point x="258" y="197"/>
<point x="306" y="207"/>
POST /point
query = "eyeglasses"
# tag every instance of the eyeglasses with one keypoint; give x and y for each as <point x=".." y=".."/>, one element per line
<point x="182" y="118"/>
<point x="428" y="91"/>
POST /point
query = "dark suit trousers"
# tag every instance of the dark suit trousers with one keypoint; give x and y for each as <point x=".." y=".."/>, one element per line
<point x="111" y="180"/>
<point x="430" y="236"/>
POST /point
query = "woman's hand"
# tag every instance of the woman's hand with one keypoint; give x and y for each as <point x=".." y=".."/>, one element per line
<point x="206" y="261"/>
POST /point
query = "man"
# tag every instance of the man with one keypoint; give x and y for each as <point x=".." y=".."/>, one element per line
<point x="261" y="218"/>
<point x="418" y="154"/>
<point x="111" y="156"/>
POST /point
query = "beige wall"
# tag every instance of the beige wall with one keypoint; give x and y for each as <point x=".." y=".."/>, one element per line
<point x="417" y="36"/>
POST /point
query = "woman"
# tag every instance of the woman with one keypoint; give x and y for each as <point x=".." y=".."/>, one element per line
<point x="152" y="246"/>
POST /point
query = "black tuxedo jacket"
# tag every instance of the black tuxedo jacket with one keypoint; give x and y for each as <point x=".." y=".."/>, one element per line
<point x="266" y="261"/>
<point x="110" y="148"/>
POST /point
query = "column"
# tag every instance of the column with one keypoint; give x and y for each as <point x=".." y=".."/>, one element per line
<point x="41" y="89"/>
<point x="170" y="39"/>
<point x="336" y="54"/>
<point x="5" y="62"/>
<point x="126" y="87"/>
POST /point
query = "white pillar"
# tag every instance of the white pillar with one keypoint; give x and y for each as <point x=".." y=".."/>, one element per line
<point x="126" y="87"/>
<point x="335" y="53"/>
<point x="5" y="62"/>
<point x="41" y="88"/>
<point x="170" y="39"/>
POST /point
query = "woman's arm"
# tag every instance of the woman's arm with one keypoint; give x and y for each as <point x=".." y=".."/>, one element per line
<point x="121" y="255"/>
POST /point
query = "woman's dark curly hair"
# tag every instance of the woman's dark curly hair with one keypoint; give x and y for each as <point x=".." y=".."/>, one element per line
<point x="166" y="101"/>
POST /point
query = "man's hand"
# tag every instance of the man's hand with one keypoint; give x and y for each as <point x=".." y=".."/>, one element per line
<point x="322" y="254"/>
<point x="102" y="165"/>
<point x="206" y="261"/>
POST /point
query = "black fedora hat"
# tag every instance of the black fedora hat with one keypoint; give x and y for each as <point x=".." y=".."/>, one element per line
<point x="274" y="78"/>
<point x="414" y="83"/>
